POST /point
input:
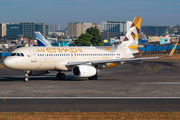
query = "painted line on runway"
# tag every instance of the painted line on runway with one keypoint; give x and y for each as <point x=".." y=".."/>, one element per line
<point x="18" y="98"/>
<point x="159" y="83"/>
<point x="144" y="72"/>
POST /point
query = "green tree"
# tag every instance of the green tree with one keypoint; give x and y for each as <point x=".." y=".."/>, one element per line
<point x="84" y="40"/>
<point x="91" y="37"/>
<point x="92" y="31"/>
<point x="96" y="37"/>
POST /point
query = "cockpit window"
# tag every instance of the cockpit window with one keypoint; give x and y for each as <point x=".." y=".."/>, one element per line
<point x="18" y="54"/>
<point x="13" y="54"/>
<point x="22" y="54"/>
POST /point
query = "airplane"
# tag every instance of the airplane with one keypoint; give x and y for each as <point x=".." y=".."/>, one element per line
<point x="82" y="61"/>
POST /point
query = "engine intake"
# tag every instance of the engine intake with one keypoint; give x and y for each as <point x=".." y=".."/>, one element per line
<point x="84" y="71"/>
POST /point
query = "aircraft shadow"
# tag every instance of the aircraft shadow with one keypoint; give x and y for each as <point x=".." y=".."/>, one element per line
<point x="68" y="78"/>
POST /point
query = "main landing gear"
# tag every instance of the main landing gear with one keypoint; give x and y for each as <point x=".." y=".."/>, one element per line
<point x="93" y="77"/>
<point x="60" y="76"/>
<point x="25" y="79"/>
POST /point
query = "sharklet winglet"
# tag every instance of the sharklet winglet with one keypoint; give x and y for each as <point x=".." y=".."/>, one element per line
<point x="173" y="50"/>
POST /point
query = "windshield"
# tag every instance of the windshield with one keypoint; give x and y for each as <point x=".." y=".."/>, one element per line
<point x="17" y="54"/>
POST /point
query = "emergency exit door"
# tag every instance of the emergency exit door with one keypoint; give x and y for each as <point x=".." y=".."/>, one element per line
<point x="33" y="56"/>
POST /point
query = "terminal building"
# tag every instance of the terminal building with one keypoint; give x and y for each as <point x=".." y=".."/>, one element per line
<point x="26" y="29"/>
<point x="113" y="29"/>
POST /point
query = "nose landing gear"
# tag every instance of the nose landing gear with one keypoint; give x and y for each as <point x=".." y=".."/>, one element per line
<point x="25" y="79"/>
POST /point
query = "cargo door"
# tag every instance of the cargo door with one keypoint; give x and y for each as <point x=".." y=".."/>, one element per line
<point x="33" y="56"/>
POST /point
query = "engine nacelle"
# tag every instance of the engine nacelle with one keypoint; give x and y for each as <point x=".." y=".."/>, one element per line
<point x="37" y="73"/>
<point x="84" y="71"/>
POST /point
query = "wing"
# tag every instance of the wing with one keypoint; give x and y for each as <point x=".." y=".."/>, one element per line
<point x="120" y="60"/>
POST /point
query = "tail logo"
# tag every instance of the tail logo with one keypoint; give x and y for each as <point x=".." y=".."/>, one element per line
<point x="134" y="30"/>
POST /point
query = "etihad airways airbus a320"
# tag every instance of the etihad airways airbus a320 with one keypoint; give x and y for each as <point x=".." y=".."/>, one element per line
<point x="82" y="61"/>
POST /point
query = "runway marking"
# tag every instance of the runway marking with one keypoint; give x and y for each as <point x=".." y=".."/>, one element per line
<point x="71" y="98"/>
<point x="144" y="72"/>
<point x="158" y="83"/>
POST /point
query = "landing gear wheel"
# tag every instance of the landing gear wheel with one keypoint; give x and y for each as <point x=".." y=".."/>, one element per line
<point x="25" y="79"/>
<point x="63" y="76"/>
<point x="93" y="77"/>
<point x="60" y="76"/>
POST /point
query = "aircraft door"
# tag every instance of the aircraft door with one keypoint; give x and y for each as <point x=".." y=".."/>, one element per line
<point x="33" y="56"/>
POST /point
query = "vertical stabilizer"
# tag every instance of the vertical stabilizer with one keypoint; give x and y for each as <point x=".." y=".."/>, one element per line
<point x="41" y="40"/>
<point x="132" y="35"/>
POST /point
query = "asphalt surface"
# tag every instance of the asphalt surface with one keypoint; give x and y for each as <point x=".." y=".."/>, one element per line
<point x="149" y="79"/>
<point x="89" y="105"/>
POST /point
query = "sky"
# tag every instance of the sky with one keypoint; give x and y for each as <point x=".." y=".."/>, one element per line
<point x="160" y="12"/>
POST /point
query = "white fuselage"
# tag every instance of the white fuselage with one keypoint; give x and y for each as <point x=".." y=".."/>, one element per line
<point x="56" y="58"/>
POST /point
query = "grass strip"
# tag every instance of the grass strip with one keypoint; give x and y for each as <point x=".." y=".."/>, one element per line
<point x="91" y="115"/>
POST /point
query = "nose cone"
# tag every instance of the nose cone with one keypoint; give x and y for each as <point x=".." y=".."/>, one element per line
<point x="7" y="63"/>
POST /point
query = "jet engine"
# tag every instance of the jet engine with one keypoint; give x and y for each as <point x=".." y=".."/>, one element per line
<point x="84" y="71"/>
<point x="37" y="73"/>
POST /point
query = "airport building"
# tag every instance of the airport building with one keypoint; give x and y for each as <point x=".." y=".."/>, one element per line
<point x="26" y="29"/>
<point x="113" y="29"/>
<point x="2" y="29"/>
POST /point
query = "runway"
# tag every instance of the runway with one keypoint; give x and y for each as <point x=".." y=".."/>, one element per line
<point x="90" y="105"/>
<point x="154" y="78"/>
<point x="148" y="79"/>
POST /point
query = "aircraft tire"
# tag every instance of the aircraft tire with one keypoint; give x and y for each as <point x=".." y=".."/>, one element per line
<point x="60" y="76"/>
<point x="25" y="79"/>
<point x="93" y="78"/>
<point x="63" y="76"/>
